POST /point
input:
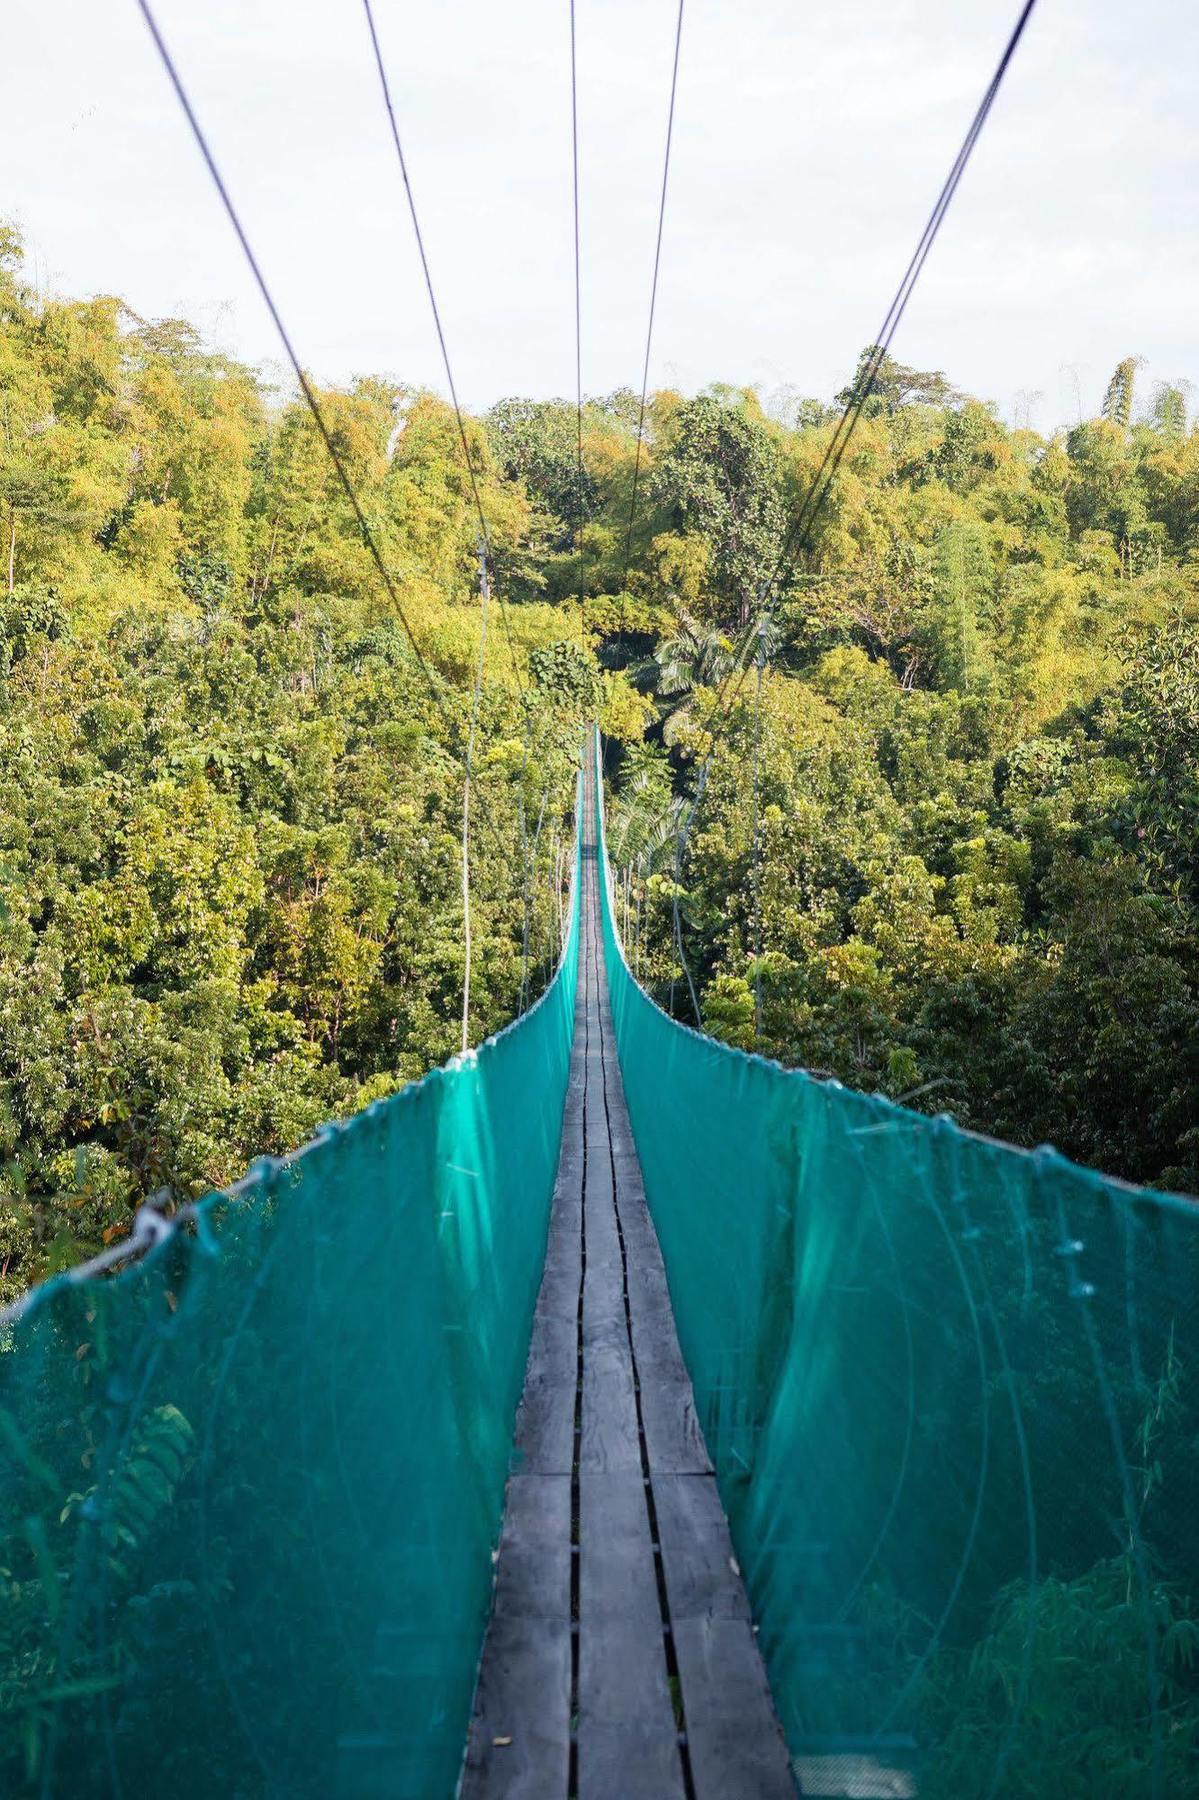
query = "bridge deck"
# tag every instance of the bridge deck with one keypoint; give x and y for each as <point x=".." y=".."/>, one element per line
<point x="620" y="1662"/>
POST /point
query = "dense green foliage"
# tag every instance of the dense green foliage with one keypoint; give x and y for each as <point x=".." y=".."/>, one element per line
<point x="926" y="819"/>
<point x="905" y="1343"/>
<point x="976" y="799"/>
<point x="230" y="850"/>
<point x="230" y="802"/>
<point x="251" y="1487"/>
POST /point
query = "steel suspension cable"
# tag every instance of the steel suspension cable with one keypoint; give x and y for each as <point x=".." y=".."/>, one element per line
<point x="526" y="720"/>
<point x="306" y="387"/>
<point x="821" y="485"/>
<point x="385" y="86"/>
<point x="574" y="142"/>
<point x="653" y="302"/>
<point x="819" y="489"/>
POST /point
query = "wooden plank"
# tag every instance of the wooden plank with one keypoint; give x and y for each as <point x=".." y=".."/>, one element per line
<point x="565" y="1236"/>
<point x="620" y="1130"/>
<point x="603" y="1244"/>
<point x="629" y="1176"/>
<point x="655" y="1341"/>
<point x="533" y="1572"/>
<point x="545" y="1419"/>
<point x="616" y="1560"/>
<point x="733" y="1735"/>
<point x="599" y="1191"/>
<point x="628" y="1741"/>
<point x="608" y="1439"/>
<point x="558" y="1297"/>
<point x="605" y="1322"/>
<point x="649" y="1298"/>
<point x="627" y="1731"/>
<point x="519" y="1744"/>
<point x="672" y="1430"/>
<point x="568" y="1184"/>
<point x="702" y="1578"/>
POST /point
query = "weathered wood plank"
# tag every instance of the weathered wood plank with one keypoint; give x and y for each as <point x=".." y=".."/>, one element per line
<point x="545" y="1418"/>
<point x="620" y="1132"/>
<point x="629" y="1173"/>
<point x="628" y="1744"/>
<point x="733" y="1736"/>
<point x="654" y="1338"/>
<point x="672" y="1431"/>
<point x="649" y="1296"/>
<point x="558" y="1296"/>
<point x="627" y="1716"/>
<point x="605" y="1322"/>
<point x="608" y="1439"/>
<point x="519" y="1744"/>
<point x="627" y="1732"/>
<point x="569" y="1179"/>
<point x="616" y="1560"/>
<point x="533" y="1572"/>
<point x="702" y="1578"/>
<point x="599" y="1190"/>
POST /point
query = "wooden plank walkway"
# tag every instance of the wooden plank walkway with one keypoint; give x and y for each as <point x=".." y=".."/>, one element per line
<point x="620" y="1662"/>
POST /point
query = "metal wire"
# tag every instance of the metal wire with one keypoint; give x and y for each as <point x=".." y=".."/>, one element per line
<point x="436" y="311"/>
<point x="757" y="841"/>
<point x="653" y="302"/>
<point x="821" y="485"/>
<point x="309" y="393"/>
<point x="306" y="387"/>
<point x="574" y="141"/>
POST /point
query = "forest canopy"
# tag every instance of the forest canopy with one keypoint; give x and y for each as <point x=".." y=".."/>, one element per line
<point x="964" y="871"/>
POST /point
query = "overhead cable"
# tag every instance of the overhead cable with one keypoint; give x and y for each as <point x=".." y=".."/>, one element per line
<point x="574" y="143"/>
<point x="306" y="387"/>
<point x="653" y="302"/>
<point x="436" y="311"/>
<point x="818" y="491"/>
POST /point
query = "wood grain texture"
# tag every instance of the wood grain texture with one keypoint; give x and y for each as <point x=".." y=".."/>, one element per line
<point x="639" y="1447"/>
<point x="519" y="1743"/>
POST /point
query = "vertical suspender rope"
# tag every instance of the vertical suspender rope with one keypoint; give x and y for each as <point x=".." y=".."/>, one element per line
<point x="680" y="844"/>
<point x="484" y="596"/>
<point x="757" y="842"/>
<point x="524" y="978"/>
<point x="574" y="145"/>
<point x="472" y="474"/>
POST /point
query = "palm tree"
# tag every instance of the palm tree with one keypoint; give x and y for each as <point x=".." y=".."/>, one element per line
<point x="698" y="656"/>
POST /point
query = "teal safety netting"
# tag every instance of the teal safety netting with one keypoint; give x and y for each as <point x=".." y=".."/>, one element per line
<point x="251" y="1486"/>
<point x="950" y="1390"/>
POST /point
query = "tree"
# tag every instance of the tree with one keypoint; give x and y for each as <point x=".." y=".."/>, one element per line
<point x="885" y="386"/>
<point x="1117" y="401"/>
<point x="719" y="475"/>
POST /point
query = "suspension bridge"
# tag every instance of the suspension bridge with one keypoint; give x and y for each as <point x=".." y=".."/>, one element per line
<point x="612" y="1413"/>
<point x="615" y="1413"/>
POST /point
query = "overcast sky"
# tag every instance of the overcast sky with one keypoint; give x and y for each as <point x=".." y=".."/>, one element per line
<point x="810" y="141"/>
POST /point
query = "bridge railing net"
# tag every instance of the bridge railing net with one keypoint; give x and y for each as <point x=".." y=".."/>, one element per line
<point x="250" y="1487"/>
<point x="950" y="1391"/>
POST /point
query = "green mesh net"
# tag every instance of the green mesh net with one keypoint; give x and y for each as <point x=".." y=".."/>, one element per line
<point x="250" y="1487"/>
<point x="950" y="1392"/>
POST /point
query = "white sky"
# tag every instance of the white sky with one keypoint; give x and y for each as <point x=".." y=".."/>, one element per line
<point x="810" y="142"/>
